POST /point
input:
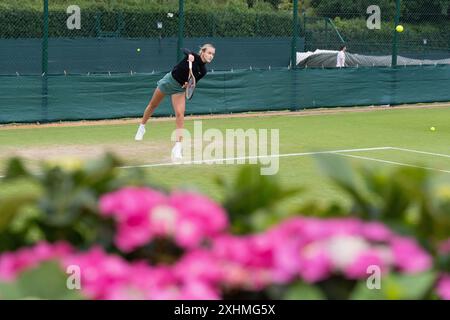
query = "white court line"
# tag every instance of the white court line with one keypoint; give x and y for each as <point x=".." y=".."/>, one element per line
<point x="339" y="152"/>
<point x="423" y="152"/>
<point x="254" y="157"/>
<point x="393" y="162"/>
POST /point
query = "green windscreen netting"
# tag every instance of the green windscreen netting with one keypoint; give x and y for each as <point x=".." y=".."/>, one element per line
<point x="121" y="55"/>
<point x="125" y="95"/>
<point x="101" y="59"/>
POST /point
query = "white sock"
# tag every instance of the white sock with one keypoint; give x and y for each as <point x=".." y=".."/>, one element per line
<point x="142" y="126"/>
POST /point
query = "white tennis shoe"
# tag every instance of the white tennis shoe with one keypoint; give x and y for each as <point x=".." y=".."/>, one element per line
<point x="140" y="133"/>
<point x="177" y="155"/>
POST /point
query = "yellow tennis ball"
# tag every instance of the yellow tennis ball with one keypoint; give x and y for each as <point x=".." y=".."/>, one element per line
<point x="399" y="28"/>
<point x="138" y="49"/>
<point x="432" y="128"/>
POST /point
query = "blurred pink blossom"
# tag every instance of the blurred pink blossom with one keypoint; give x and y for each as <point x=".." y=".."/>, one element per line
<point x="132" y="209"/>
<point x="408" y="256"/>
<point x="444" y="247"/>
<point x="443" y="287"/>
<point x="12" y="263"/>
<point x="110" y="277"/>
<point x="358" y="269"/>
<point x="198" y="218"/>
<point x="143" y="213"/>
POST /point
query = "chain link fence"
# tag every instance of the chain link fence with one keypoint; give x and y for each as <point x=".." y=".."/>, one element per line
<point x="368" y="27"/>
<point x="80" y="59"/>
<point x="426" y="32"/>
<point x="137" y="36"/>
<point x="145" y="35"/>
<point x="243" y="40"/>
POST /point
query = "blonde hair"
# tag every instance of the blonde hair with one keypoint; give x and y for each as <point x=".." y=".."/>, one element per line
<point x="204" y="47"/>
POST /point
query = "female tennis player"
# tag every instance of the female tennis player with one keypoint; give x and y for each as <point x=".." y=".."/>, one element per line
<point x="173" y="84"/>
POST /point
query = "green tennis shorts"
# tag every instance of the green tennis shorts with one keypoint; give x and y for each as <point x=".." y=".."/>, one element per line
<point x="168" y="85"/>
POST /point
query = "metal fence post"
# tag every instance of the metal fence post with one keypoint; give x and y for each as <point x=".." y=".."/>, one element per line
<point x="304" y="29"/>
<point x="45" y="39"/>
<point x="294" y="36"/>
<point x="395" y="38"/>
<point x="44" y="93"/>
<point x="180" y="28"/>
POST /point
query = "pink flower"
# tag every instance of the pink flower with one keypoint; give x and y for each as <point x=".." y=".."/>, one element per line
<point x="359" y="268"/>
<point x="254" y="250"/>
<point x="306" y="229"/>
<point x="375" y="231"/>
<point x="133" y="233"/>
<point x="99" y="271"/>
<point x="123" y="291"/>
<point x="198" y="290"/>
<point x="130" y="201"/>
<point x="287" y="262"/>
<point x="170" y="283"/>
<point x="232" y="248"/>
<point x="314" y="229"/>
<point x="443" y="287"/>
<point x="343" y="227"/>
<point x="315" y="264"/>
<point x="408" y="256"/>
<point x="444" y="247"/>
<point x="348" y="244"/>
<point x="198" y="218"/>
<point x="109" y="277"/>
<point x="143" y="282"/>
<point x="143" y="214"/>
<point x="132" y="208"/>
<point x="246" y="261"/>
<point x="295" y="257"/>
<point x="199" y="265"/>
<point x="314" y="249"/>
<point x="12" y="263"/>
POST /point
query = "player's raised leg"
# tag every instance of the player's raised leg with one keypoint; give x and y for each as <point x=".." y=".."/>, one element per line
<point x="158" y="96"/>
<point x="179" y="106"/>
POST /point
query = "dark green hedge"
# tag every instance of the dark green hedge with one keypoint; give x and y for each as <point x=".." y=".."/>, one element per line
<point x="28" y="24"/>
<point x="411" y="10"/>
<point x="360" y="39"/>
<point x="229" y="23"/>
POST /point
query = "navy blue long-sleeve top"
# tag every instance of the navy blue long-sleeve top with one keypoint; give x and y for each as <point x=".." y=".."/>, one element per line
<point x="181" y="71"/>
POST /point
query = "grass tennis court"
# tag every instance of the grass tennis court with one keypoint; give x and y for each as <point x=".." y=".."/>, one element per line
<point x="399" y="136"/>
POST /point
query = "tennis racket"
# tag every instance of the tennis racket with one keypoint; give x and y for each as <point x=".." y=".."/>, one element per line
<point x="190" y="83"/>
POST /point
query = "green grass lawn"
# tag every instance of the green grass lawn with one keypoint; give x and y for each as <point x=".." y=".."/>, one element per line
<point x="390" y="127"/>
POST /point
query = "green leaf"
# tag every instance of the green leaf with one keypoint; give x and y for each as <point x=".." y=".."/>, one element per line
<point x="362" y="292"/>
<point x="48" y="281"/>
<point x="336" y="168"/>
<point x="101" y="169"/>
<point x="397" y="287"/>
<point x="249" y="194"/>
<point x="10" y="206"/>
<point x="409" y="286"/>
<point x="303" y="291"/>
<point x="15" y="169"/>
<point x="9" y="291"/>
<point x="63" y="209"/>
<point x="340" y="171"/>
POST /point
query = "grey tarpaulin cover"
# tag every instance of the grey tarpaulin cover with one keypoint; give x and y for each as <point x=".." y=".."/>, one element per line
<point x="327" y="59"/>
